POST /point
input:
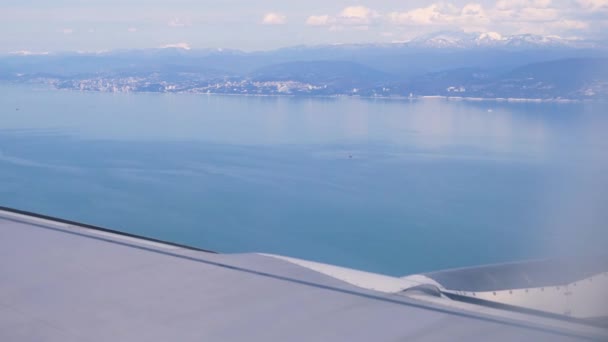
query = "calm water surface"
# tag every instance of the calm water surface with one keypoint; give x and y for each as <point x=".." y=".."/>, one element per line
<point x="395" y="187"/>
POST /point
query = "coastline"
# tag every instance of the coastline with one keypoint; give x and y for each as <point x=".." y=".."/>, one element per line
<point x="335" y="96"/>
<point x="507" y="99"/>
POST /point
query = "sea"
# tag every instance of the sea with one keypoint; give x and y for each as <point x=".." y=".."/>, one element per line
<point x="388" y="186"/>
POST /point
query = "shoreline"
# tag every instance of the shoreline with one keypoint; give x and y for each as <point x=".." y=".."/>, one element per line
<point x="508" y="99"/>
<point x="344" y="96"/>
<point x="336" y="96"/>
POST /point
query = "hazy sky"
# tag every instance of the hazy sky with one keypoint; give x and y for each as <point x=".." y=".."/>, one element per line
<point x="92" y="25"/>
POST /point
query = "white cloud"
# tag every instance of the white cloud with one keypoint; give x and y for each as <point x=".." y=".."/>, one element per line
<point x="593" y="5"/>
<point x="442" y="14"/>
<point x="29" y="53"/>
<point x="508" y="16"/>
<point x="523" y="16"/>
<point x="179" y="22"/>
<point x="505" y="5"/>
<point x="433" y="14"/>
<point x="539" y="16"/>
<point x="475" y="11"/>
<point x="570" y="25"/>
<point x="182" y="45"/>
<point x="357" y="17"/>
<point x="66" y="31"/>
<point x="320" y="20"/>
<point x="356" y="12"/>
<point x="474" y="17"/>
<point x="273" y="18"/>
<point x="132" y="29"/>
<point x="476" y="14"/>
<point x="523" y="11"/>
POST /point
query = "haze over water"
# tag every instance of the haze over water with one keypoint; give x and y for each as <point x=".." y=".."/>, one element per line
<point x="394" y="187"/>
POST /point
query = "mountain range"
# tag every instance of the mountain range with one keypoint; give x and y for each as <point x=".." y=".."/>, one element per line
<point x="443" y="63"/>
<point x="464" y="40"/>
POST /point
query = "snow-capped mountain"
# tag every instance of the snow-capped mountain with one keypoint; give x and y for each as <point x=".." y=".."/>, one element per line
<point x="493" y="39"/>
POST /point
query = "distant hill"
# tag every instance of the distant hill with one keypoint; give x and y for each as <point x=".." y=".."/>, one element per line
<point x="334" y="74"/>
<point x="429" y="53"/>
<point x="578" y="78"/>
<point x="470" y="40"/>
<point x="573" y="78"/>
<point x="445" y="63"/>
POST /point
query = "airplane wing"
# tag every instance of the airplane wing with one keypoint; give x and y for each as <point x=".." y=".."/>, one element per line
<point x="68" y="281"/>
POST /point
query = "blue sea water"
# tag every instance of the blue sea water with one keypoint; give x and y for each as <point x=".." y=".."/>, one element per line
<point x="395" y="187"/>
